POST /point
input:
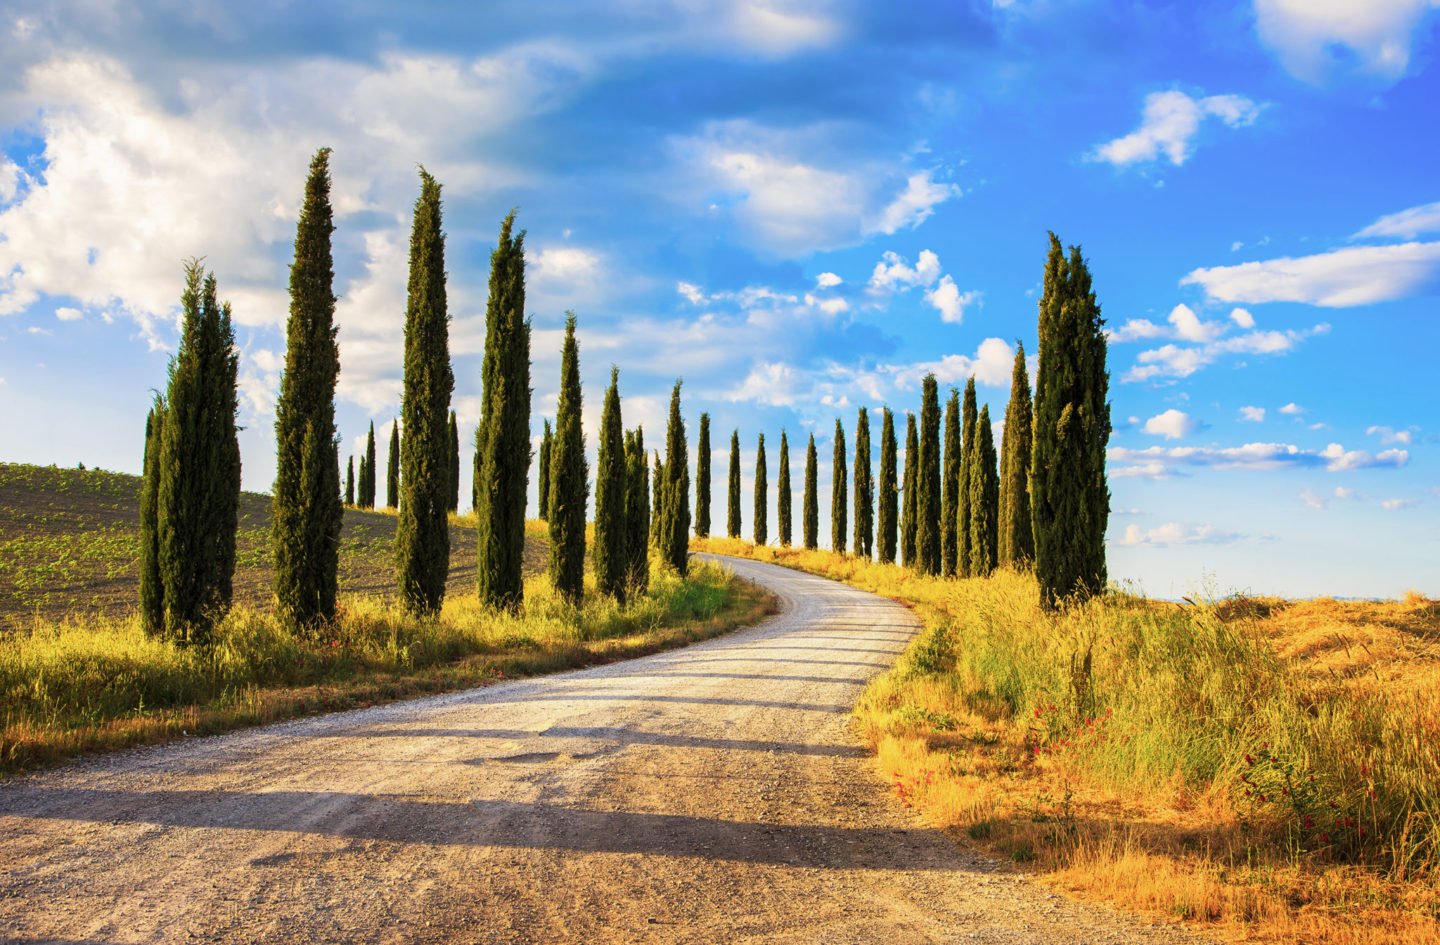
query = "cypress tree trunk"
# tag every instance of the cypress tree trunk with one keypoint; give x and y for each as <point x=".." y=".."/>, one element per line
<point x="152" y="588"/>
<point x="927" y="475"/>
<point x="732" y="509"/>
<point x="811" y="513"/>
<point x="864" y="488"/>
<point x="609" y="554"/>
<point x="568" y="478"/>
<point x="967" y="560"/>
<point x="950" y="495"/>
<point x="888" y="495"/>
<point x="838" y="503"/>
<point x="454" y="497"/>
<point x="907" y="521"/>
<point x="198" y="493"/>
<point x="675" y="535"/>
<point x="1070" y="501"/>
<point x="784" y="497"/>
<point x="1017" y="541"/>
<point x="702" y="479"/>
<point x="422" y="533"/>
<point x="984" y="500"/>
<point x="392" y="468"/>
<point x="762" y="487"/>
<point x="503" y="437"/>
<point x="305" y="530"/>
<point x="547" y="443"/>
<point x="637" y="514"/>
<point x="368" y="494"/>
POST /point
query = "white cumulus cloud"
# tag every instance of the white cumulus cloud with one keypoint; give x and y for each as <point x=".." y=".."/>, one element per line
<point x="915" y="204"/>
<point x="1172" y="424"/>
<point x="1168" y="126"/>
<point x="1252" y="414"/>
<point x="895" y="273"/>
<point x="1315" y="39"/>
<point x="1341" y="278"/>
<point x="1405" y="225"/>
<point x="949" y="301"/>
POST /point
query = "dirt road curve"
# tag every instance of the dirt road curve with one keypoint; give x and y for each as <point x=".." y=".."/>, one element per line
<point x="710" y="795"/>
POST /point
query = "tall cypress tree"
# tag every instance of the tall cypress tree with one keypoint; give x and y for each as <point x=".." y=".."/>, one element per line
<point x="547" y="442"/>
<point x="503" y="438"/>
<point x="306" y="511"/>
<point x="702" y="479"/>
<point x="657" y="500"/>
<point x="762" y="488"/>
<point x="152" y="586"/>
<point x="422" y="533"/>
<point x="784" y="497"/>
<point x="392" y="468"/>
<point x="811" y="500"/>
<point x="637" y="514"/>
<point x="1070" y="501"/>
<point x="568" y="478"/>
<point x="675" y="532"/>
<point x="732" y="507"/>
<point x="198" y="493"/>
<point x="609" y="554"/>
<point x="1017" y="541"/>
<point x="888" y="495"/>
<point x="454" y="479"/>
<point x="967" y="472"/>
<point x="950" y="487"/>
<point x="350" y="481"/>
<point x="838" y="502"/>
<point x="367" y="494"/>
<point x="927" y="476"/>
<point x="984" y="501"/>
<point x="908" y="518"/>
<point x="864" y="488"/>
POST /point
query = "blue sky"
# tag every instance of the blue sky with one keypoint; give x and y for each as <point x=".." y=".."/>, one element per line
<point x="798" y="207"/>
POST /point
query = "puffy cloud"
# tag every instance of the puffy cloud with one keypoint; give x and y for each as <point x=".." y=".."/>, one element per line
<point x="1308" y="35"/>
<point x="1172" y="424"/>
<point x="1172" y="533"/>
<point x="780" y="29"/>
<point x="893" y="272"/>
<point x="1189" y="327"/>
<point x="691" y="292"/>
<point x="949" y="301"/>
<point x="1405" y="225"/>
<point x="1390" y="435"/>
<point x="1339" y="459"/>
<point x="1394" y="505"/>
<point x="1158" y="462"/>
<point x="772" y="383"/>
<point x="991" y="365"/>
<point x="827" y="280"/>
<point x="67" y="314"/>
<point x="1341" y="278"/>
<point x="914" y="205"/>
<point x="1136" y="329"/>
<point x="1242" y="318"/>
<point x="1175" y="361"/>
<point x="10" y="178"/>
<point x="1169" y="122"/>
<point x="1252" y="414"/>
<point x="562" y="264"/>
<point x="1292" y="409"/>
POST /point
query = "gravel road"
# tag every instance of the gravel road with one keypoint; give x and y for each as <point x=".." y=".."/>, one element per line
<point x="713" y="794"/>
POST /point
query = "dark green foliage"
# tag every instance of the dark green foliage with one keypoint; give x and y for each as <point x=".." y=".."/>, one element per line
<point x="762" y="487"/>
<point x="454" y="483"/>
<point x="350" y="481"/>
<point x="887" y="498"/>
<point x="1017" y="541"/>
<point x="984" y="501"/>
<point x="547" y="440"/>
<point x="637" y="514"/>
<point x="702" y="479"/>
<point x="1070" y="502"/>
<point x="306" y="508"/>
<point x="367" y="491"/>
<point x="732" y="507"/>
<point x="609" y="556"/>
<point x="674" y="544"/>
<point x="967" y="471"/>
<point x="784" y="497"/>
<point x="152" y="587"/>
<point x="811" y="500"/>
<point x="950" y="487"/>
<point x="198" y="494"/>
<point x="503" y="438"/>
<point x="927" y="481"/>
<point x="838" y="502"/>
<point x="864" y="488"/>
<point x="422" y="533"/>
<point x="569" y="484"/>
<point x="657" y="487"/>
<point x="907" y="519"/>
<point x="392" y="468"/>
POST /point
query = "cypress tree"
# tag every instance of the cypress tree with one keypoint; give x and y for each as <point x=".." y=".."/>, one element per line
<point x="547" y="442"/>
<point x="702" y="479"/>
<point x="367" y="499"/>
<point x="637" y="514"/>
<point x="950" y="487"/>
<point x="454" y="497"/>
<point x="811" y="512"/>
<point x="984" y="501"/>
<point x="422" y="533"/>
<point x="967" y="471"/>
<point x="1070" y="501"/>
<point x="568" y="478"/>
<point x="198" y="493"/>
<point x="732" y="509"/>
<point x="864" y="488"/>
<point x="1017" y="541"/>
<point x="888" y="498"/>
<point x="675" y="531"/>
<point x="837" y="491"/>
<point x="611" y="535"/>
<point x="392" y="468"/>
<point x="503" y="437"/>
<point x="657" y="499"/>
<point x="350" y="481"/>
<point x="762" y="487"/>
<point x="152" y="587"/>
<point x="927" y="480"/>
<point x="305" y="521"/>
<point x="784" y="497"/>
<point x="907" y="520"/>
